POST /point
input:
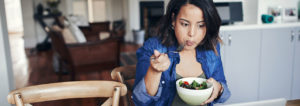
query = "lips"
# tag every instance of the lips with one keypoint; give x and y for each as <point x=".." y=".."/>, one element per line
<point x="189" y="43"/>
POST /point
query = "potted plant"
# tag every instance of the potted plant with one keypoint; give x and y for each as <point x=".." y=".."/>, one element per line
<point x="53" y="4"/>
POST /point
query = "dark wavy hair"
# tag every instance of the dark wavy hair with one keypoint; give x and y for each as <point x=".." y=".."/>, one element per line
<point x="211" y="18"/>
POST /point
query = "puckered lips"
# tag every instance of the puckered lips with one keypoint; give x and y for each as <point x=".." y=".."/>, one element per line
<point x="189" y="43"/>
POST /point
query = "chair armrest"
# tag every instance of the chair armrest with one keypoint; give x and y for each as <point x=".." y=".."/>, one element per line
<point x="123" y="73"/>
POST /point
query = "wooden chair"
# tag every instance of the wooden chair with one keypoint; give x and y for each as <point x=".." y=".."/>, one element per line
<point x="125" y="75"/>
<point x="66" y="90"/>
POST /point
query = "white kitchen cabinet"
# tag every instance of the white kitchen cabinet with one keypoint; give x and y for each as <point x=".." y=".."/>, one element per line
<point x="277" y="51"/>
<point x="261" y="63"/>
<point x="241" y="53"/>
<point x="296" y="70"/>
<point x="222" y="48"/>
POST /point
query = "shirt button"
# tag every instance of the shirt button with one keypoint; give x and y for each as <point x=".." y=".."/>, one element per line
<point x="163" y="82"/>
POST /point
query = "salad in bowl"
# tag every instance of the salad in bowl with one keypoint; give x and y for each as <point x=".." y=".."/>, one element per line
<point x="193" y="90"/>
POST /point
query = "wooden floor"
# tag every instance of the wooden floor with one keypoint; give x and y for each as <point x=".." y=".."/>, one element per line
<point x="42" y="72"/>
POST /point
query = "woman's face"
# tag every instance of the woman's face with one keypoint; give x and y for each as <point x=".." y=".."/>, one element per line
<point x="189" y="26"/>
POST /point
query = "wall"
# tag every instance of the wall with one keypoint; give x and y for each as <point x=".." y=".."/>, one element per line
<point x="34" y="34"/>
<point x="6" y="74"/>
<point x="117" y="9"/>
<point x="30" y="36"/>
<point x="253" y="9"/>
<point x="264" y="4"/>
<point x="134" y="17"/>
<point x="99" y="8"/>
<point x="250" y="11"/>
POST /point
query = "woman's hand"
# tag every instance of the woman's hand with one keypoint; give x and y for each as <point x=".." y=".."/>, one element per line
<point x="159" y="61"/>
<point x="217" y="90"/>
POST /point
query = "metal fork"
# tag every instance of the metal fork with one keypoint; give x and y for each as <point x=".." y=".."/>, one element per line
<point x="179" y="48"/>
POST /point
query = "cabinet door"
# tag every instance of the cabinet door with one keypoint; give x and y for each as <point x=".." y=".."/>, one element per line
<point x="222" y="49"/>
<point x="296" y="71"/>
<point x="276" y="64"/>
<point x="242" y="64"/>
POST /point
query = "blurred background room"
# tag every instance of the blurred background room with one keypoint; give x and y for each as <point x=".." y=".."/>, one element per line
<point x="48" y="41"/>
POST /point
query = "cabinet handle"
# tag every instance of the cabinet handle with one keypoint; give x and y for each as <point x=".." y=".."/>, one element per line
<point x="229" y="40"/>
<point x="299" y="36"/>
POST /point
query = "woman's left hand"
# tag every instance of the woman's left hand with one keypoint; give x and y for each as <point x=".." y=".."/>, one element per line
<point x="216" y="90"/>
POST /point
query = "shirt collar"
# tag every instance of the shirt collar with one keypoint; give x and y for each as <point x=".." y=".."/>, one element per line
<point x="200" y="55"/>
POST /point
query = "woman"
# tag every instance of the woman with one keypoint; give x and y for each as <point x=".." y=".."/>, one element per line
<point x="193" y="25"/>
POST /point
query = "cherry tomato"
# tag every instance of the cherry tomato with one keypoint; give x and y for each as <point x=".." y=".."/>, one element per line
<point x="186" y="83"/>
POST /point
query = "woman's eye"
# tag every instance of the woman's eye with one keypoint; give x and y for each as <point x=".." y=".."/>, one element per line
<point x="184" y="24"/>
<point x="201" y="25"/>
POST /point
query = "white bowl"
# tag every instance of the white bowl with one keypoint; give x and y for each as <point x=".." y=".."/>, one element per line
<point x="193" y="97"/>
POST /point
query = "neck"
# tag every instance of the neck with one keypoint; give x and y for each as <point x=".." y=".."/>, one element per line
<point x="191" y="52"/>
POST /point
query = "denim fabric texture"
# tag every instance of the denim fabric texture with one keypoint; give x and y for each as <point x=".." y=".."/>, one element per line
<point x="211" y="65"/>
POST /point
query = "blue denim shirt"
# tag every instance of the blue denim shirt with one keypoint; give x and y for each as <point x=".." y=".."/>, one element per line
<point x="211" y="65"/>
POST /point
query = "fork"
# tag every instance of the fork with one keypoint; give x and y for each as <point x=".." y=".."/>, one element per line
<point x="179" y="48"/>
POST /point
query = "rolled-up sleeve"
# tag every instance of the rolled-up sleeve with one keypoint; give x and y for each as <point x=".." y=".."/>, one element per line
<point x="140" y="95"/>
<point x="225" y="94"/>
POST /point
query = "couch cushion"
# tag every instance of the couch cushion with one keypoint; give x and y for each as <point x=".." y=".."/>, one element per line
<point x="68" y="36"/>
<point x="79" y="36"/>
<point x="104" y="35"/>
<point x="66" y="33"/>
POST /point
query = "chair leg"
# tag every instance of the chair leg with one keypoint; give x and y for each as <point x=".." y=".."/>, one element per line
<point x="108" y="102"/>
<point x="18" y="99"/>
<point x="116" y="96"/>
<point x="125" y="100"/>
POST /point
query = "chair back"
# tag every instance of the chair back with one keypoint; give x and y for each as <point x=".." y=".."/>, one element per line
<point x="100" y="26"/>
<point x="67" y="90"/>
<point x="121" y="74"/>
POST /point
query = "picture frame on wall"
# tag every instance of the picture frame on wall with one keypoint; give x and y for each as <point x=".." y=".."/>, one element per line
<point x="276" y="12"/>
<point x="290" y="14"/>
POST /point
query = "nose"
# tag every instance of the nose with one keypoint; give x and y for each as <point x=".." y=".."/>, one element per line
<point x="191" y="32"/>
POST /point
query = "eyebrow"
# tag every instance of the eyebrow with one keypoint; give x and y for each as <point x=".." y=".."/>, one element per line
<point x="189" y="21"/>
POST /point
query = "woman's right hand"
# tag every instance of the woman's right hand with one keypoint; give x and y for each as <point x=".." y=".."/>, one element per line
<point x="159" y="61"/>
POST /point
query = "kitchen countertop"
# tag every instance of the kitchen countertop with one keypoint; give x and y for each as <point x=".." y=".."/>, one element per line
<point x="259" y="26"/>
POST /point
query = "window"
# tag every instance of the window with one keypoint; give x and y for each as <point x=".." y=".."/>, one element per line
<point x="93" y="10"/>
